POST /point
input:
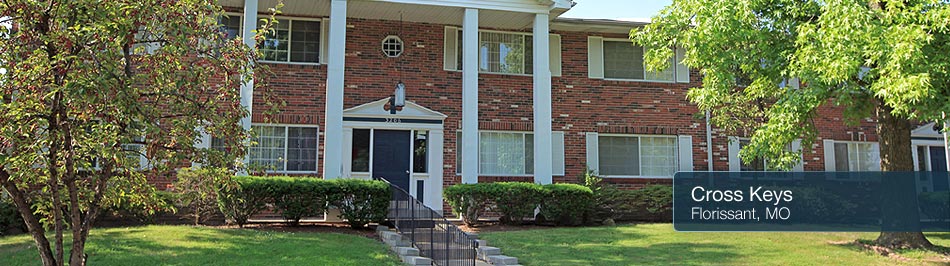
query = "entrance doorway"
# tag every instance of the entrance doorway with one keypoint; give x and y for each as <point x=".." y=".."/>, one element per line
<point x="391" y="156"/>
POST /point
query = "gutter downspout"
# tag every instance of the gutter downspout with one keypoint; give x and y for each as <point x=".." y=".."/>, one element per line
<point x="709" y="145"/>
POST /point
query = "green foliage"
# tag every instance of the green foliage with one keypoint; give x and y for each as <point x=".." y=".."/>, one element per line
<point x="469" y="200"/>
<point x="360" y="201"/>
<point x="515" y="200"/>
<point x="9" y="217"/>
<point x="298" y="197"/>
<point x="607" y="201"/>
<point x="865" y="56"/>
<point x="197" y="191"/>
<point x="655" y="199"/>
<point x="144" y="211"/>
<point x="934" y="204"/>
<point x="565" y="204"/>
<point x="241" y="198"/>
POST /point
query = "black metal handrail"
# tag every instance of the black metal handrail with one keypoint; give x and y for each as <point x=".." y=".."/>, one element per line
<point x="434" y="236"/>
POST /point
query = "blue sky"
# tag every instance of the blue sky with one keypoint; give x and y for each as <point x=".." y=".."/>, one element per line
<point x="616" y="9"/>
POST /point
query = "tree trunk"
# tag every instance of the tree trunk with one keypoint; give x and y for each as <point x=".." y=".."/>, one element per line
<point x="32" y="223"/>
<point x="894" y="136"/>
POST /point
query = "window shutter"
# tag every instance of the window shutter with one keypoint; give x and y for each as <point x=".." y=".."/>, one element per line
<point x="686" y="153"/>
<point x="592" y="160"/>
<point x="324" y="32"/>
<point x="829" y="146"/>
<point x="797" y="147"/>
<point x="595" y="57"/>
<point x="876" y="155"/>
<point x="557" y="153"/>
<point x="555" y="55"/>
<point x="682" y="71"/>
<point x="450" y="49"/>
<point x="734" y="164"/>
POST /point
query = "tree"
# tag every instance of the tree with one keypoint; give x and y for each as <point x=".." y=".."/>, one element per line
<point x="883" y="59"/>
<point x="89" y="87"/>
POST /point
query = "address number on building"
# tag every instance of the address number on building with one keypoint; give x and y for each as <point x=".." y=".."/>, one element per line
<point x="393" y="120"/>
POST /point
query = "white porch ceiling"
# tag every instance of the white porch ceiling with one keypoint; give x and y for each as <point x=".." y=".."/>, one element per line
<point x="394" y="10"/>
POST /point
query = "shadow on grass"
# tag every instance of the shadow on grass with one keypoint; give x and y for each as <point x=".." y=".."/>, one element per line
<point x="608" y="246"/>
<point x="180" y="245"/>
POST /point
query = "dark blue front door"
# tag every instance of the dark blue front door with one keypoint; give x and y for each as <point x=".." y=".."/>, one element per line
<point x="391" y="156"/>
<point x="938" y="164"/>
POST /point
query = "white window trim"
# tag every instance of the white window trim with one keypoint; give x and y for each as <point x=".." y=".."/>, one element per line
<point x="639" y="153"/>
<point x="290" y="20"/>
<point x="458" y="169"/>
<point x="412" y="148"/>
<point x="287" y="147"/>
<point x="872" y="143"/>
<point x="645" y="71"/>
<point x="458" y="50"/>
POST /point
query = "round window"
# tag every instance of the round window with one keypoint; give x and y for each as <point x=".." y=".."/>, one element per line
<point x="392" y="46"/>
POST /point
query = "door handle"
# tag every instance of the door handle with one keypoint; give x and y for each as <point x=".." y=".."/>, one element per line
<point x="407" y="171"/>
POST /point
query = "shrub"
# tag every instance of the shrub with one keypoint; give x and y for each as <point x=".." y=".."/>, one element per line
<point x="469" y="201"/>
<point x="197" y="191"/>
<point x="656" y="200"/>
<point x="515" y="200"/>
<point x="565" y="204"/>
<point x="242" y="197"/>
<point x="934" y="204"/>
<point x="10" y="218"/>
<point x="360" y="201"/>
<point x="298" y="197"/>
<point x="608" y="202"/>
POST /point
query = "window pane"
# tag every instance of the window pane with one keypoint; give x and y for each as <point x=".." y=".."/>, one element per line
<point x="658" y="156"/>
<point x="623" y="60"/>
<point x="218" y="144"/>
<point x="420" y="158"/>
<point x="275" y="46"/>
<point x="529" y="153"/>
<point x="864" y="153"/>
<point x="305" y="42"/>
<point x="663" y="75"/>
<point x="360" y="150"/>
<point x="268" y="153"/>
<point x="231" y="25"/>
<point x="619" y="155"/>
<point x="501" y="153"/>
<point x="922" y="158"/>
<point x="501" y="52"/>
<point x="302" y="149"/>
<point x="842" y="160"/>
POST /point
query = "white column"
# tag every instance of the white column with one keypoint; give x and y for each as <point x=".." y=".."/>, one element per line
<point x="433" y="185"/>
<point x="470" y="97"/>
<point x="247" y="89"/>
<point x="542" y="101"/>
<point x="333" y="134"/>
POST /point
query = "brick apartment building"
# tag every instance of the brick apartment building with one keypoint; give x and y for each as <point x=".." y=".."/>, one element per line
<point x="495" y="90"/>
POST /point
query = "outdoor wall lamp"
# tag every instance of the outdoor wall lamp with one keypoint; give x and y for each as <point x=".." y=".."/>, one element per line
<point x="398" y="101"/>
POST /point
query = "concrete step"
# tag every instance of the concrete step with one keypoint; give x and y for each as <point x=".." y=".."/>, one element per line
<point x="485" y="252"/>
<point x="502" y="260"/>
<point x="482" y="243"/>
<point x="416" y="261"/>
<point x="407" y="251"/>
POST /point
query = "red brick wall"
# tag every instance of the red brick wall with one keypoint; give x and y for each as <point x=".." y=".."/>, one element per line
<point x="579" y="104"/>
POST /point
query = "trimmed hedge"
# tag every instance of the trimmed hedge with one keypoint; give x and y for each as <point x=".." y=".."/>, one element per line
<point x="515" y="201"/>
<point x="469" y="200"/>
<point x="566" y="204"/>
<point x="359" y="201"/>
<point x="10" y="219"/>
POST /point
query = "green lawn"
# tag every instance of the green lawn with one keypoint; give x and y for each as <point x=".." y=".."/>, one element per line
<point x="658" y="244"/>
<point x="186" y="245"/>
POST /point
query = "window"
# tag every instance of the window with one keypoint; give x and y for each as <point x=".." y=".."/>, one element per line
<point x="653" y="156"/>
<point x="623" y="60"/>
<point x="361" y="142"/>
<point x="392" y="46"/>
<point x="420" y="158"/>
<point x="856" y="156"/>
<point x="508" y="53"/>
<point x="295" y="41"/>
<point x="510" y="153"/>
<point x="284" y="148"/>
